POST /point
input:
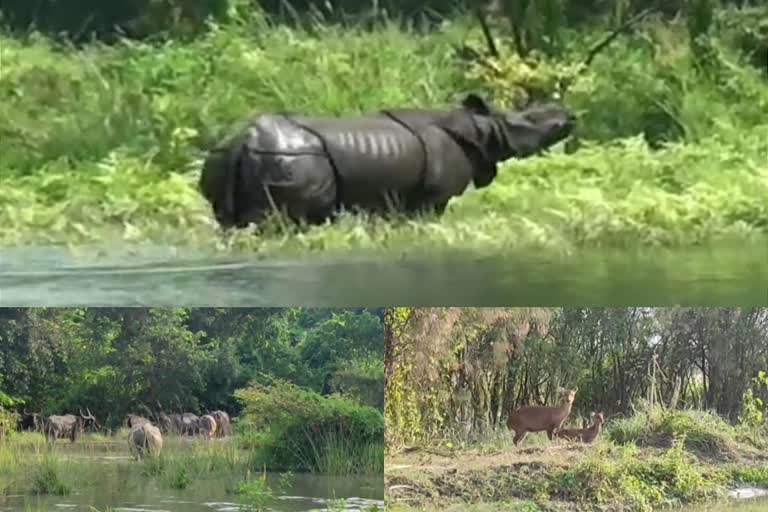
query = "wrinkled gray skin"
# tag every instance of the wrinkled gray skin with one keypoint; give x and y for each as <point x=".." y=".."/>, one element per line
<point x="400" y="160"/>
<point x="207" y="426"/>
<point x="145" y="439"/>
<point x="187" y="424"/>
<point x="68" y="426"/>
<point x="133" y="420"/>
<point x="223" y="424"/>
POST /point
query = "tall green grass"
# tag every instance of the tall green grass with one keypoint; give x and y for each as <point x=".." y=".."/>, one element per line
<point x="705" y="432"/>
<point x="106" y="142"/>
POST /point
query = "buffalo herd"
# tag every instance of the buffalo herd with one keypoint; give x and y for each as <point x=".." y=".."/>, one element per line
<point x="145" y="434"/>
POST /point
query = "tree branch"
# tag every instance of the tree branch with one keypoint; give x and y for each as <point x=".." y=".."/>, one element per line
<point x="487" y="32"/>
<point x="603" y="43"/>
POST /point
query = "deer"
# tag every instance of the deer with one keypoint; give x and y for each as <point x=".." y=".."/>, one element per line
<point x="536" y="418"/>
<point x="585" y="435"/>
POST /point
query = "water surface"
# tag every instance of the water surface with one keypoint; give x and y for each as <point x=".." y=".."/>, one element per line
<point x="727" y="275"/>
<point x="105" y="476"/>
<point x="759" y="504"/>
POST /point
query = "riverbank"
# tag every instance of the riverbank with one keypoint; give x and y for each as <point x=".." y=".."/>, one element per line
<point x="614" y="474"/>
<point x="663" y="155"/>
<point x="562" y="478"/>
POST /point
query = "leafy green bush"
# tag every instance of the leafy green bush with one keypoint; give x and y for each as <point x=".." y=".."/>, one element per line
<point x="362" y="379"/>
<point x="292" y="428"/>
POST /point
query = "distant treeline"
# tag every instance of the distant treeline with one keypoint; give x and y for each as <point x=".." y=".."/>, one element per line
<point x="481" y="363"/>
<point x="116" y="361"/>
<point x="83" y="19"/>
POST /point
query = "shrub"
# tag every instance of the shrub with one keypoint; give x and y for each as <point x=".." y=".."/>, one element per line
<point x="293" y="428"/>
<point x="363" y="380"/>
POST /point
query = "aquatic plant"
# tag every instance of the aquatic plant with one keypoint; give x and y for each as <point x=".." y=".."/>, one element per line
<point x="336" y="504"/>
<point x="255" y="493"/>
<point x="47" y="478"/>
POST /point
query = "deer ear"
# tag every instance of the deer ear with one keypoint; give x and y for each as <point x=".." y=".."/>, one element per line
<point x="476" y="104"/>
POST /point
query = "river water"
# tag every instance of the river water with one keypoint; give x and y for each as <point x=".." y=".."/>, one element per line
<point x="753" y="504"/>
<point x="725" y="275"/>
<point x="105" y="477"/>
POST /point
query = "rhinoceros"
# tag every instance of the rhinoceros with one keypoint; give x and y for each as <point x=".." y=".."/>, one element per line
<point x="398" y="160"/>
<point x="145" y="439"/>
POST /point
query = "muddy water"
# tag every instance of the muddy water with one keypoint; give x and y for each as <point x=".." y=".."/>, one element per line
<point x="109" y="479"/>
<point x="134" y="275"/>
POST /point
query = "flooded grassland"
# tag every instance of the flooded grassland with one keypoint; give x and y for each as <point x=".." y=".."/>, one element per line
<point x="191" y="475"/>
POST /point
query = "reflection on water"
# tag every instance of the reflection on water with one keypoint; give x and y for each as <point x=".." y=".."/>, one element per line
<point x="130" y="491"/>
<point x="114" y="481"/>
<point x="723" y="275"/>
<point x="735" y="505"/>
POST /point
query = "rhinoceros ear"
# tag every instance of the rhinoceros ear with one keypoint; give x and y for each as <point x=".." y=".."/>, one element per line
<point x="476" y="104"/>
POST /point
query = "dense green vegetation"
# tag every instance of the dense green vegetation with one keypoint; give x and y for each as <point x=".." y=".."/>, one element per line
<point x="106" y="140"/>
<point x="684" y="392"/>
<point x="288" y="376"/>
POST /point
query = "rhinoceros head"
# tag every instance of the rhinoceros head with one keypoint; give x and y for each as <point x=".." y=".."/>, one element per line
<point x="495" y="135"/>
<point x="519" y="134"/>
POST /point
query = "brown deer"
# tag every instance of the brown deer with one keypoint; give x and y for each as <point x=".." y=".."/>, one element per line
<point x="535" y="418"/>
<point x="585" y="435"/>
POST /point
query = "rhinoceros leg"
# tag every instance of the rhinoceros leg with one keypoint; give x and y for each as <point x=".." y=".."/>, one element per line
<point x="448" y="173"/>
<point x="302" y="186"/>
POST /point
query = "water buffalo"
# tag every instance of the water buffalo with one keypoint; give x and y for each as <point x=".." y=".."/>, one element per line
<point x="401" y="160"/>
<point x="207" y="426"/>
<point x="69" y="426"/>
<point x="187" y="424"/>
<point x="223" y="424"/>
<point x="30" y="422"/>
<point x="133" y="420"/>
<point x="145" y="438"/>
<point x="167" y="423"/>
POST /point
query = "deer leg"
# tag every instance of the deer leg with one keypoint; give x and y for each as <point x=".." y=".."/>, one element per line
<point x="550" y="433"/>
<point x="519" y="436"/>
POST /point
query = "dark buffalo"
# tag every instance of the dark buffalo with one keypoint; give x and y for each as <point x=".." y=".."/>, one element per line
<point x="187" y="424"/>
<point x="167" y="423"/>
<point x="69" y="426"/>
<point x="403" y="160"/>
<point x="30" y="422"/>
